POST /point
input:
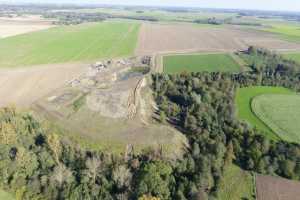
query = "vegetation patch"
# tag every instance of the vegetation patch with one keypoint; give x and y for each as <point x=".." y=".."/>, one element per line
<point x="199" y="63"/>
<point x="5" y="196"/>
<point x="286" y="31"/>
<point x="281" y="113"/>
<point x="243" y="99"/>
<point x="293" y="56"/>
<point x="236" y="184"/>
<point x="85" y="42"/>
<point x="78" y="103"/>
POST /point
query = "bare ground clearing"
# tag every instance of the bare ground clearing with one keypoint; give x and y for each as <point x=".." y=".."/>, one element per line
<point x="271" y="188"/>
<point x="108" y="107"/>
<point x="159" y="38"/>
<point x="24" y="86"/>
<point x="20" y="25"/>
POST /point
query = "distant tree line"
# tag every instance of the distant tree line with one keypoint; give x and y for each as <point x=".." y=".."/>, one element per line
<point x="73" y="18"/>
<point x="230" y="20"/>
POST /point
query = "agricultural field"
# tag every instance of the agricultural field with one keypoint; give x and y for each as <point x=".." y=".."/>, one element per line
<point x="270" y="188"/>
<point x="189" y="38"/>
<point x="281" y="113"/>
<point x="290" y="32"/>
<point x="237" y="184"/>
<point x="199" y="63"/>
<point x="85" y="42"/>
<point x="243" y="99"/>
<point x="292" y="56"/>
<point x="22" y="24"/>
<point x="21" y="87"/>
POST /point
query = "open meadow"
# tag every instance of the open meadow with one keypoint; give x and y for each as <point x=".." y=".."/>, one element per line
<point x="237" y="184"/>
<point x="199" y="63"/>
<point x="281" y="113"/>
<point x="5" y="196"/>
<point x="85" y="42"/>
<point x="243" y="100"/>
<point x="290" y="32"/>
<point x="293" y="56"/>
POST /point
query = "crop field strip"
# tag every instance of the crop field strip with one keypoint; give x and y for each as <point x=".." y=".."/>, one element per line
<point x="243" y="99"/>
<point x="281" y="113"/>
<point x="86" y="42"/>
<point x="199" y="63"/>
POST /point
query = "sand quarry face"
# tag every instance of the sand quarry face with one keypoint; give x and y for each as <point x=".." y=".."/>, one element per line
<point x="20" y="25"/>
<point x="161" y="38"/>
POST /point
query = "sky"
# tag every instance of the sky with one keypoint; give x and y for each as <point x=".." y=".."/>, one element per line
<point x="283" y="5"/>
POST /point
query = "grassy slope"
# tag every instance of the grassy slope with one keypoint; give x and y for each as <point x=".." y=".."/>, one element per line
<point x="286" y="31"/>
<point x="281" y="113"/>
<point x="70" y="43"/>
<point x="243" y="100"/>
<point x="5" y="196"/>
<point x="293" y="56"/>
<point x="237" y="184"/>
<point x="198" y="63"/>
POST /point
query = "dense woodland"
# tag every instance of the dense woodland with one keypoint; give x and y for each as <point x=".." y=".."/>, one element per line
<point x="37" y="163"/>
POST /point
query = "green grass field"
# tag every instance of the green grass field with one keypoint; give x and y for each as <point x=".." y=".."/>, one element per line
<point x="85" y="42"/>
<point x="281" y="113"/>
<point x="243" y="100"/>
<point x="289" y="32"/>
<point x="199" y="63"/>
<point x="5" y="196"/>
<point x="293" y="56"/>
<point x="236" y="185"/>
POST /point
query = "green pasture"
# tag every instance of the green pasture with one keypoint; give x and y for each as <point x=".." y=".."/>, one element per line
<point x="281" y="113"/>
<point x="5" y="196"/>
<point x="293" y="56"/>
<point x="243" y="99"/>
<point x="85" y="42"/>
<point x="200" y="62"/>
<point x="236" y="184"/>
<point x="289" y="32"/>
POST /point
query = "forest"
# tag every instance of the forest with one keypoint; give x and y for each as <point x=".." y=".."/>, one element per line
<point x="38" y="163"/>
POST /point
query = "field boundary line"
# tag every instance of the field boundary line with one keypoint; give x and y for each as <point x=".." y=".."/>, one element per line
<point x="254" y="184"/>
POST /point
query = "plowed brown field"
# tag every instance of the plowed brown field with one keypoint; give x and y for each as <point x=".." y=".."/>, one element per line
<point x="272" y="188"/>
<point x="20" y="25"/>
<point x="175" y="38"/>
<point x="21" y="87"/>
